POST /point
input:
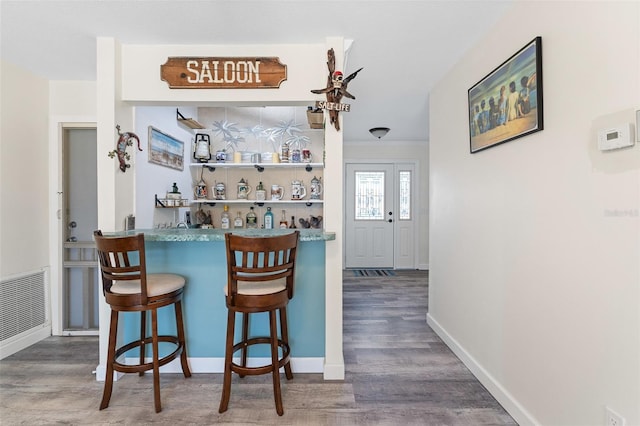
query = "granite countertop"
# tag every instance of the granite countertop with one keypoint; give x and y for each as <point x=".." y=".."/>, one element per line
<point x="195" y="234"/>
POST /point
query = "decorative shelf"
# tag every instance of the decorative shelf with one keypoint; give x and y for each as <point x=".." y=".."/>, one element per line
<point x="171" y="203"/>
<point x="259" y="166"/>
<point x="189" y="122"/>
<point x="256" y="202"/>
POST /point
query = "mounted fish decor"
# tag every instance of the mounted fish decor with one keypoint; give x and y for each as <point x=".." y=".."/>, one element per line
<point x="124" y="140"/>
<point x="335" y="90"/>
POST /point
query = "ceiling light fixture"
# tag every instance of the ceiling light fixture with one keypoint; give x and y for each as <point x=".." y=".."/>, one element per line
<point x="379" y="132"/>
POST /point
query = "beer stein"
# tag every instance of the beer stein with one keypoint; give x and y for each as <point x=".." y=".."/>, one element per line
<point x="277" y="192"/>
<point x="316" y="188"/>
<point x="298" y="191"/>
<point x="243" y="189"/>
<point x="219" y="190"/>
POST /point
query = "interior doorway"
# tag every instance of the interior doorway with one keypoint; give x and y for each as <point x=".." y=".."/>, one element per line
<point x="78" y="219"/>
<point x="380" y="221"/>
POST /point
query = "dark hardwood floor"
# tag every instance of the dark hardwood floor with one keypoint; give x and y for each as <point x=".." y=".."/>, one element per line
<point x="398" y="372"/>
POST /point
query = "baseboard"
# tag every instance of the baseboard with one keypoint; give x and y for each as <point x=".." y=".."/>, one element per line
<point x="216" y="365"/>
<point x="510" y="404"/>
<point x="24" y="340"/>
<point x="334" y="372"/>
<point x="423" y="267"/>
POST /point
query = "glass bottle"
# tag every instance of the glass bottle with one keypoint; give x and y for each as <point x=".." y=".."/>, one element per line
<point x="268" y="219"/>
<point x="252" y="219"/>
<point x="293" y="223"/>
<point x="225" y="218"/>
<point x="261" y="194"/>
<point x="238" y="221"/>
<point x="283" y="221"/>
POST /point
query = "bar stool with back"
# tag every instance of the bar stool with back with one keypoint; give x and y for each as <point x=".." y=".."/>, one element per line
<point x="260" y="278"/>
<point x="128" y="288"/>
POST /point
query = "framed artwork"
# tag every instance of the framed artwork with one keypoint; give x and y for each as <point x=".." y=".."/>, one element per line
<point x="165" y="150"/>
<point x="507" y="103"/>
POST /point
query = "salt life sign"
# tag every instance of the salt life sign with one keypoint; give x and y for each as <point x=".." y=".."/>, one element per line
<point x="223" y="73"/>
<point x="333" y="106"/>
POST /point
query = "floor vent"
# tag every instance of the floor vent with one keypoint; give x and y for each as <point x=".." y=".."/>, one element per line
<point x="23" y="304"/>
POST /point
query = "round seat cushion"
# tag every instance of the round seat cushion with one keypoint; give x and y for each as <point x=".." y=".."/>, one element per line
<point x="157" y="284"/>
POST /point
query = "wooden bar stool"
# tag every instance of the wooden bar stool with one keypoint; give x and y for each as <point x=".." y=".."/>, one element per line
<point x="128" y="288"/>
<point x="260" y="278"/>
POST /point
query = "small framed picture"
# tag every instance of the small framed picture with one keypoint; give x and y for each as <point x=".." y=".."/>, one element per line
<point x="165" y="150"/>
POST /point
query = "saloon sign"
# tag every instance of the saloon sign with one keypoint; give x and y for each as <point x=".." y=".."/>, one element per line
<point x="223" y="73"/>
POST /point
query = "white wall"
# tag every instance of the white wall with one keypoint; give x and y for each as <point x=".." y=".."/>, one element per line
<point x="390" y="150"/>
<point x="154" y="179"/>
<point x="535" y="244"/>
<point x="24" y="153"/>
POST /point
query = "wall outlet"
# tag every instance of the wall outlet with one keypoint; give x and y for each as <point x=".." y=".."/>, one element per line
<point x="613" y="418"/>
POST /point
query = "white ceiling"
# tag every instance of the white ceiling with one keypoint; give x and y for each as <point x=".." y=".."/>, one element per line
<point x="405" y="46"/>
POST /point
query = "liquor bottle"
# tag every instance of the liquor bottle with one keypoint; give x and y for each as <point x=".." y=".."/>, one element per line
<point x="283" y="221"/>
<point x="225" y="218"/>
<point x="238" y="221"/>
<point x="252" y="219"/>
<point x="261" y="194"/>
<point x="268" y="219"/>
<point x="293" y="223"/>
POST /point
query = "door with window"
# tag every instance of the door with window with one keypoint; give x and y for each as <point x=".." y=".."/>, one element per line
<point x="379" y="219"/>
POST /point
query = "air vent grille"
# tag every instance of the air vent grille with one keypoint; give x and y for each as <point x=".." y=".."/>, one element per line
<point x="22" y="304"/>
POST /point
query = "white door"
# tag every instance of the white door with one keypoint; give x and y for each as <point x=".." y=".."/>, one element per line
<point x="369" y="230"/>
<point x="79" y="218"/>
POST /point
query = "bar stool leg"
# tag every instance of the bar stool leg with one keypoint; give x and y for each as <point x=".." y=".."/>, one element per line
<point x="226" y="385"/>
<point x="274" y="362"/>
<point x="156" y="363"/>
<point x="111" y="358"/>
<point x="245" y="336"/>
<point x="285" y="338"/>
<point x="181" y="339"/>
<point x="143" y="334"/>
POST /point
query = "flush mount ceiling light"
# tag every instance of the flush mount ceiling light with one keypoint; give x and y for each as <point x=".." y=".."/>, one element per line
<point x="379" y="132"/>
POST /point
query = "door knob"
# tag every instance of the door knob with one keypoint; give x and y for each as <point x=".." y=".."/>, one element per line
<point x="390" y="220"/>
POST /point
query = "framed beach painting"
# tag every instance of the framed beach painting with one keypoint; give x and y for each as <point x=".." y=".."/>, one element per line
<point x="165" y="150"/>
<point x="507" y="103"/>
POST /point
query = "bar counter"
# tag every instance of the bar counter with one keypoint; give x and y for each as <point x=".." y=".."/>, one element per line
<point x="199" y="255"/>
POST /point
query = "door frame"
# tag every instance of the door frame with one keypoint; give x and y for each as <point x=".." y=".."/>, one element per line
<point x="57" y="229"/>
<point x="415" y="196"/>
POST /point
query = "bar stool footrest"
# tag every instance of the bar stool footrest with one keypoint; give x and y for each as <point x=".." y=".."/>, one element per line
<point x="138" y="368"/>
<point x="264" y="369"/>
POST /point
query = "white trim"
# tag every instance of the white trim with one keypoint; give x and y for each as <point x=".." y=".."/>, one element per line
<point x="334" y="371"/>
<point x="216" y="365"/>
<point x="423" y="266"/>
<point x="57" y="125"/>
<point x="24" y="340"/>
<point x="510" y="404"/>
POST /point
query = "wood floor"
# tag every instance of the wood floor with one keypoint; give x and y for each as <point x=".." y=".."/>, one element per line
<point x="398" y="372"/>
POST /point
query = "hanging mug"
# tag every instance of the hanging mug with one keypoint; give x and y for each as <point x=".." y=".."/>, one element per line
<point x="277" y="192"/>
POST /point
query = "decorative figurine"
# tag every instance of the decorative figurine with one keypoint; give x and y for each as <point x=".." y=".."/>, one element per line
<point x="124" y="140"/>
<point x="336" y="89"/>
